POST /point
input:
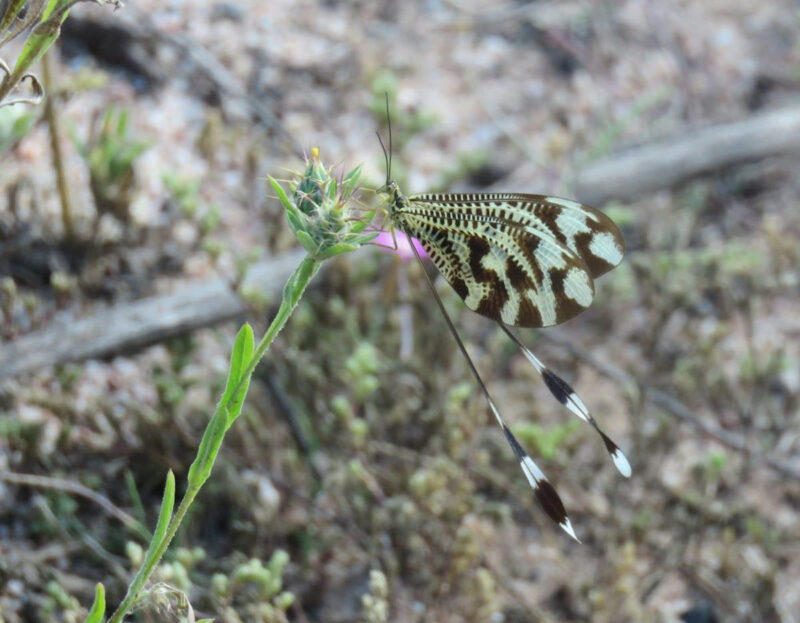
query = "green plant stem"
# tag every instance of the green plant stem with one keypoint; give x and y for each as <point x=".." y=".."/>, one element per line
<point x="292" y="292"/>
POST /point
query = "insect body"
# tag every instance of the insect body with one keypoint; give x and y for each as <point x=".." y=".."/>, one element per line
<point x="521" y="260"/>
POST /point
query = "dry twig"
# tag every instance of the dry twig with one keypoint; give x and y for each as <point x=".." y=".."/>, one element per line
<point x="141" y="323"/>
<point x="669" y="162"/>
<point x="60" y="484"/>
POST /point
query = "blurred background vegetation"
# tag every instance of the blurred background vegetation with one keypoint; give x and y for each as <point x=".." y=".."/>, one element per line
<point x="365" y="480"/>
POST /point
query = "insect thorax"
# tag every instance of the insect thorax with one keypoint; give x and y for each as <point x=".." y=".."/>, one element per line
<point x="397" y="202"/>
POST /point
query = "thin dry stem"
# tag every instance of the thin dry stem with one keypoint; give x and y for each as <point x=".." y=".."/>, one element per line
<point x="51" y="114"/>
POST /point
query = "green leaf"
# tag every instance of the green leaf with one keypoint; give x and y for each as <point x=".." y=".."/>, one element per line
<point x="122" y="123"/>
<point x="98" y="612"/>
<point x="240" y="357"/>
<point x="235" y="392"/>
<point x="365" y="238"/>
<point x="295" y="219"/>
<point x="281" y="193"/>
<point x="164" y="515"/>
<point x="330" y="190"/>
<point x="295" y="216"/>
<point x="201" y="467"/>
<point x="228" y="408"/>
<point x="15" y="123"/>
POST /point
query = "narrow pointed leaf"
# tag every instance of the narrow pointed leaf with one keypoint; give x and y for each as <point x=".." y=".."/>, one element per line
<point x="236" y="391"/>
<point x="98" y="612"/>
<point x="284" y="199"/>
<point x="227" y="409"/>
<point x="200" y="468"/>
<point x="241" y="354"/>
<point x="358" y="227"/>
<point x="164" y="516"/>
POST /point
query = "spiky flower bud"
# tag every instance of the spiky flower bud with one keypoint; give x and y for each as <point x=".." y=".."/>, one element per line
<point x="319" y="209"/>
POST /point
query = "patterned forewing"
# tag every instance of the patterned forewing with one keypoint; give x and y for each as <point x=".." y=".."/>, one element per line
<point x="584" y="230"/>
<point x="508" y="271"/>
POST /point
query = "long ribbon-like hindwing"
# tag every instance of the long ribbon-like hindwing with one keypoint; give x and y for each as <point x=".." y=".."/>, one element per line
<point x="544" y="491"/>
<point x="567" y="397"/>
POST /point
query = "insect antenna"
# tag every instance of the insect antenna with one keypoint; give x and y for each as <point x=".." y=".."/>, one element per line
<point x="385" y="156"/>
<point x="388" y="123"/>
<point x="544" y="491"/>
<point x="567" y="397"/>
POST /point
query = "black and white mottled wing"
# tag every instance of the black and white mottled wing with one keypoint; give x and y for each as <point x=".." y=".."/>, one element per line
<point x="583" y="229"/>
<point x="519" y="259"/>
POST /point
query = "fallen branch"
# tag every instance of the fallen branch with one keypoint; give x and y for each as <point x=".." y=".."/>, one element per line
<point x="669" y="162"/>
<point x="141" y="323"/>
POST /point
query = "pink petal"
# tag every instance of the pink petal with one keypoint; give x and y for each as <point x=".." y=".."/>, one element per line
<point x="404" y="249"/>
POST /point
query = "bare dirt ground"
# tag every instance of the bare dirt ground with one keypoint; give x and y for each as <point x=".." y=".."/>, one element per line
<point x="365" y="446"/>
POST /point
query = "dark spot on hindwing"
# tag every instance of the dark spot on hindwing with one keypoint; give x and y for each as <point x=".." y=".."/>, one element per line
<point x="610" y="445"/>
<point x="548" y="214"/>
<point x="551" y="502"/>
<point x="528" y="314"/>
<point x="557" y="386"/>
<point x="528" y="246"/>
<point x="519" y="451"/>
